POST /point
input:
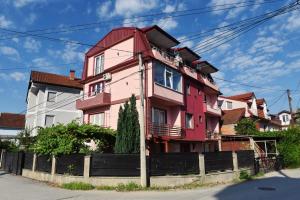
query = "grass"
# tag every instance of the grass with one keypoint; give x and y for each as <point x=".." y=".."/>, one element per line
<point x="77" y="186"/>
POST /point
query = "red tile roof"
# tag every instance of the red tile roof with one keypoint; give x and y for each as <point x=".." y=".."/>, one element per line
<point x="260" y="101"/>
<point x="233" y="116"/>
<point x="55" y="79"/>
<point x="242" y="97"/>
<point x="11" y="120"/>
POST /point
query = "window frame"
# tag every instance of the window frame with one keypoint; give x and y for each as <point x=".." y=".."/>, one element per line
<point x="52" y="100"/>
<point x="229" y="103"/>
<point x="92" y="88"/>
<point x="45" y="123"/>
<point x="94" y="114"/>
<point x="192" y="121"/>
<point x="101" y="61"/>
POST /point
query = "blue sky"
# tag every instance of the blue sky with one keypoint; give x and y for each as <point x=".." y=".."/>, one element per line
<point x="268" y="56"/>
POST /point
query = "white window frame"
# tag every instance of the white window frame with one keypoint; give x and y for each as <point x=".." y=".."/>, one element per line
<point x="94" y="121"/>
<point x="98" y="69"/>
<point x="229" y="103"/>
<point x="45" y="124"/>
<point x="171" y="80"/>
<point x="52" y="99"/>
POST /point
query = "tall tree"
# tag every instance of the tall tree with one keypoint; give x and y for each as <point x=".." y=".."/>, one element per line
<point x="128" y="130"/>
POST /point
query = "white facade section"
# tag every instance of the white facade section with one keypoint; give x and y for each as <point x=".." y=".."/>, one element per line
<point x="62" y="106"/>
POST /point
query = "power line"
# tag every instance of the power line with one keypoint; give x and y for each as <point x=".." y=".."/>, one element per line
<point x="278" y="99"/>
<point x="169" y="15"/>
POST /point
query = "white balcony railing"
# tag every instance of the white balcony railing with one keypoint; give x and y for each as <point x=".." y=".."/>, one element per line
<point x="165" y="130"/>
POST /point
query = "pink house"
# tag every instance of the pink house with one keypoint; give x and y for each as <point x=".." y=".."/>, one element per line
<point x="181" y="111"/>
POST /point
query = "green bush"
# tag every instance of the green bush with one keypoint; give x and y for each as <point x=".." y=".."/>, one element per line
<point x="245" y="175"/>
<point x="78" y="186"/>
<point x="70" y="138"/>
<point x="246" y="126"/>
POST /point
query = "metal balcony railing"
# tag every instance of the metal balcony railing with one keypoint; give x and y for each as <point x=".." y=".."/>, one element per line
<point x="165" y="130"/>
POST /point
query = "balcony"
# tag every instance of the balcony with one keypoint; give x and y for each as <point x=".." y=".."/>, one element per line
<point x="210" y="83"/>
<point x="165" y="57"/>
<point x="167" y="94"/>
<point x="211" y="135"/>
<point x="165" y="130"/>
<point x="100" y="99"/>
<point x="212" y="110"/>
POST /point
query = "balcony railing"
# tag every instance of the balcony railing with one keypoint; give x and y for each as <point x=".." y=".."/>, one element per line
<point x="100" y="99"/>
<point x="211" y="135"/>
<point x="209" y="82"/>
<point x="161" y="130"/>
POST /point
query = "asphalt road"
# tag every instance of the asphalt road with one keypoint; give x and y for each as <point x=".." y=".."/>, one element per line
<point x="284" y="185"/>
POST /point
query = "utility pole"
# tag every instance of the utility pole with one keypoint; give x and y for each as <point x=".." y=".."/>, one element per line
<point x="290" y="106"/>
<point x="143" y="169"/>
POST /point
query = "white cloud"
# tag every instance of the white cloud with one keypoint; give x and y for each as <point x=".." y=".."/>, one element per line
<point x="69" y="54"/>
<point x="169" y="8"/>
<point x="294" y="54"/>
<point x="105" y="9"/>
<point x="293" y="22"/>
<point x="31" y="18"/>
<point x="167" y="23"/>
<point x="22" y="3"/>
<point x="40" y="62"/>
<point x="18" y="76"/>
<point x="186" y="42"/>
<point x="134" y="22"/>
<point x="4" y="22"/>
<point x="269" y="44"/>
<point x="32" y="45"/>
<point x="9" y="51"/>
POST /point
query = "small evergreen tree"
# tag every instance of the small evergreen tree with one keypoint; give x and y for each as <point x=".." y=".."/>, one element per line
<point x="128" y="130"/>
<point x="245" y="126"/>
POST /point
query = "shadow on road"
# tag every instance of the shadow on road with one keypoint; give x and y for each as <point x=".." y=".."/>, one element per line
<point x="274" y="188"/>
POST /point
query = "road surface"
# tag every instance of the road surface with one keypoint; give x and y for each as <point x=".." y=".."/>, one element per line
<point x="276" y="186"/>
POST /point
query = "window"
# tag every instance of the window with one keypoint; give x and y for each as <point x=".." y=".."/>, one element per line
<point x="96" y="88"/>
<point x="220" y="102"/>
<point x="285" y="118"/>
<point x="49" y="120"/>
<point x="200" y="119"/>
<point x="167" y="77"/>
<point x="159" y="116"/>
<point x="228" y="104"/>
<point x="188" y="88"/>
<point x="189" y="121"/>
<point x="51" y="96"/>
<point x="99" y="64"/>
<point x="97" y="119"/>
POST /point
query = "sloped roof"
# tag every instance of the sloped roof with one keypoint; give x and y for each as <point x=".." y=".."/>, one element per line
<point x="12" y="120"/>
<point x="233" y="116"/>
<point x="284" y="111"/>
<point x="242" y="97"/>
<point x="55" y="79"/>
<point x="260" y="101"/>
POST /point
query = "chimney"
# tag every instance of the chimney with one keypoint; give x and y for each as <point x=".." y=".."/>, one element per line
<point x="72" y="74"/>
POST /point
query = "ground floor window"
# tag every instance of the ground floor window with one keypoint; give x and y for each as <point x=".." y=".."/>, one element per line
<point x="97" y="119"/>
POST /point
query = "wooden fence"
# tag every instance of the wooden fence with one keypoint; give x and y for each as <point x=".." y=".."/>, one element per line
<point x="43" y="164"/>
<point x="70" y="164"/>
<point x="218" y="161"/>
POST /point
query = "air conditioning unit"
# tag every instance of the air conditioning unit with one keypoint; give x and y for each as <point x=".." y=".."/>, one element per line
<point x="107" y="76"/>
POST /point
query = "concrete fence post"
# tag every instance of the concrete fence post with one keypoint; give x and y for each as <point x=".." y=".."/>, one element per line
<point x="34" y="162"/>
<point x="53" y="166"/>
<point x="201" y="165"/>
<point x="87" y="164"/>
<point x="1" y="159"/>
<point x="235" y="161"/>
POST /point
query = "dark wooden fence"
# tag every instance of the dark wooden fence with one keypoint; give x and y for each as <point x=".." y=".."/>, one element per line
<point x="245" y="159"/>
<point x="28" y="160"/>
<point x="115" y="165"/>
<point x="43" y="164"/>
<point x="12" y="162"/>
<point x="173" y="164"/>
<point x="218" y="161"/>
<point x="72" y="164"/>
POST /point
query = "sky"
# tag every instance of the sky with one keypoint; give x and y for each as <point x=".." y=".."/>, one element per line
<point x="268" y="56"/>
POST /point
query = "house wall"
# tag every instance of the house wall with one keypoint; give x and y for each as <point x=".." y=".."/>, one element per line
<point x="9" y="131"/>
<point x="63" y="109"/>
<point x="235" y="145"/>
<point x="281" y="119"/>
<point x="113" y="57"/>
<point x="194" y="104"/>
<point x="235" y="104"/>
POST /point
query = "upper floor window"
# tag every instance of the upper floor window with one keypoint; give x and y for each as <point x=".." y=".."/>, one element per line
<point x="189" y="120"/>
<point x="97" y="88"/>
<point x="220" y="102"/>
<point x="49" y="120"/>
<point x="97" y="119"/>
<point x="228" y="104"/>
<point x="51" y="96"/>
<point x="99" y="64"/>
<point x="167" y="77"/>
<point x="285" y="118"/>
<point x="188" y="88"/>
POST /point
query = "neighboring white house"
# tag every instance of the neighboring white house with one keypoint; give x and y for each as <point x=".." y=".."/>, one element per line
<point x="11" y="124"/>
<point x="285" y="118"/>
<point x="51" y="99"/>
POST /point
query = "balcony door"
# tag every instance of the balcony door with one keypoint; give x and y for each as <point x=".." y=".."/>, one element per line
<point x="159" y="116"/>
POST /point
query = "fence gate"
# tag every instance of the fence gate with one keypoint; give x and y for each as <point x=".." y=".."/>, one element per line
<point x="267" y="164"/>
<point x="13" y="162"/>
